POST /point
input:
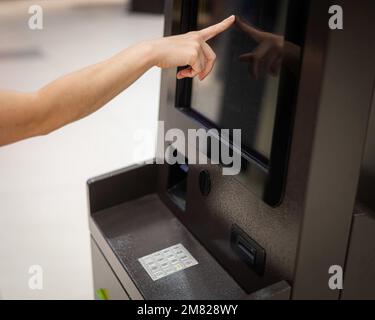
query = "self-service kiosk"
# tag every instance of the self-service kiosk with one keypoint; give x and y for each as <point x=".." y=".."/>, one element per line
<point x="291" y="215"/>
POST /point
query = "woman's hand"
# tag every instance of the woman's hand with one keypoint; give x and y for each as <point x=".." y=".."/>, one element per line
<point x="190" y="49"/>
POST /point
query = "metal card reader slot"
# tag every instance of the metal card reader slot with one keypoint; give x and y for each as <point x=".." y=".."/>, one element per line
<point x="248" y="250"/>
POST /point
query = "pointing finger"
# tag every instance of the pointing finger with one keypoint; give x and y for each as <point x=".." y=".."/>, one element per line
<point x="216" y="29"/>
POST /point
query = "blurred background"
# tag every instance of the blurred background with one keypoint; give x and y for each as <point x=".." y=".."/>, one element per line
<point x="43" y="201"/>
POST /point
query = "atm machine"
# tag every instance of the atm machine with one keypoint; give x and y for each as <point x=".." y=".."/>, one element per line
<point x="274" y="230"/>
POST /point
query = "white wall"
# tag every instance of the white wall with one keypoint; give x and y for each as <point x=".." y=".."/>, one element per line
<point x="43" y="204"/>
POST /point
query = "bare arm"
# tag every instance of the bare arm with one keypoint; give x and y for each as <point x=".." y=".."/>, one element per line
<point x="69" y="98"/>
<point x="72" y="97"/>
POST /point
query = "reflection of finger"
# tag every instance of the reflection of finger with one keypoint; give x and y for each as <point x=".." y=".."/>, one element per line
<point x="246" y="57"/>
<point x="276" y="67"/>
<point x="270" y="60"/>
<point x="254" y="64"/>
<point x="257" y="67"/>
<point x="211" y="57"/>
<point x="216" y="29"/>
<point x="252" y="32"/>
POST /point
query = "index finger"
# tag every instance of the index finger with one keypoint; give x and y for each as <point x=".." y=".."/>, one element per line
<point x="216" y="29"/>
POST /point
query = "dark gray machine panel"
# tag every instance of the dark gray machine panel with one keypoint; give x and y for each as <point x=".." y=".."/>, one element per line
<point x="211" y="218"/>
<point x="301" y="238"/>
<point x="328" y="136"/>
<point x="145" y="226"/>
<point x="134" y="223"/>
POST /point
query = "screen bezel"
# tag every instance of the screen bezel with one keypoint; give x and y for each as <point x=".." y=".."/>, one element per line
<point x="267" y="177"/>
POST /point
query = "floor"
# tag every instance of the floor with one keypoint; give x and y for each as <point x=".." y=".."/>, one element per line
<point x="43" y="200"/>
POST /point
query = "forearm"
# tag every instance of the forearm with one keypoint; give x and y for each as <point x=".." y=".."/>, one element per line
<point x="72" y="97"/>
<point x="79" y="94"/>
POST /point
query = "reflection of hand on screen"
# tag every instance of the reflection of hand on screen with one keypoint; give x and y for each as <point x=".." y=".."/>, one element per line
<point x="268" y="55"/>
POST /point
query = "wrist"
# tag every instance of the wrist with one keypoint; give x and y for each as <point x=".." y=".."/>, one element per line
<point x="150" y="53"/>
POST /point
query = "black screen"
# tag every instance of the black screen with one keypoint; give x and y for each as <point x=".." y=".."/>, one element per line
<point x="234" y="96"/>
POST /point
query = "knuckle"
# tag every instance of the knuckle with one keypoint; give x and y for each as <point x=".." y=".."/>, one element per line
<point x="194" y="54"/>
<point x="200" y="38"/>
<point x="197" y="36"/>
<point x="196" y="46"/>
